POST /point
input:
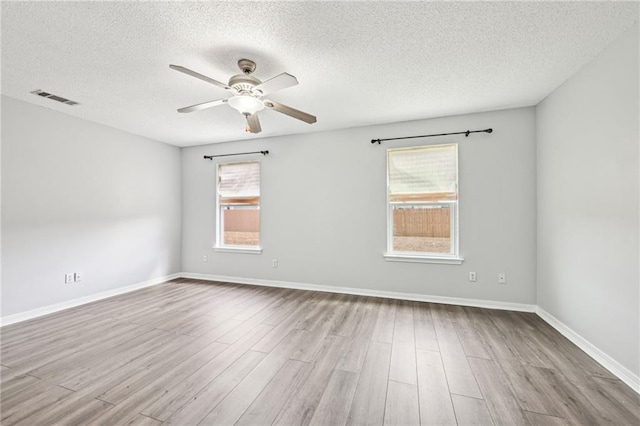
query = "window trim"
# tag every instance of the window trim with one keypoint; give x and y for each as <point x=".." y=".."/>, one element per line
<point x="424" y="257"/>
<point x="238" y="249"/>
<point x="395" y="257"/>
<point x="219" y="246"/>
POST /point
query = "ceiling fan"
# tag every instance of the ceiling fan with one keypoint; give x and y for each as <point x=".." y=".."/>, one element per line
<point x="247" y="94"/>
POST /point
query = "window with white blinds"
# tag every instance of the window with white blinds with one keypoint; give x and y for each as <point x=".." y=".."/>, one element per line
<point x="238" y="194"/>
<point x="423" y="201"/>
<point x="423" y="174"/>
<point x="239" y="182"/>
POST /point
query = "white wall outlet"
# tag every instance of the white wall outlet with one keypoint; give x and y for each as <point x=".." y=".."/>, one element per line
<point x="77" y="276"/>
<point x="472" y="277"/>
<point x="274" y="263"/>
<point x="502" y="278"/>
<point x="68" y="278"/>
<point x="205" y="259"/>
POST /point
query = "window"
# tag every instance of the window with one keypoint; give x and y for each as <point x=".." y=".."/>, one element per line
<point x="238" y="225"/>
<point x="422" y="194"/>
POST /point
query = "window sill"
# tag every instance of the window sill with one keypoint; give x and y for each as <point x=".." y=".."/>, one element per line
<point x="397" y="257"/>
<point x="248" y="250"/>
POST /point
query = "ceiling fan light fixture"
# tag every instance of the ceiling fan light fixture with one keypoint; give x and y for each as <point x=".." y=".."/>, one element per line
<point x="245" y="104"/>
<point x="247" y="95"/>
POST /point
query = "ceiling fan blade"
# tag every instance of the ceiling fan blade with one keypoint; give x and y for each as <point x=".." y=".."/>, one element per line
<point x="203" y="105"/>
<point x="291" y="112"/>
<point x="253" y="124"/>
<point x="279" y="82"/>
<point x="199" y="76"/>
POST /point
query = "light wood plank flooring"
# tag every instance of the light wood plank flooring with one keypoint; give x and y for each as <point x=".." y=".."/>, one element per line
<point x="189" y="352"/>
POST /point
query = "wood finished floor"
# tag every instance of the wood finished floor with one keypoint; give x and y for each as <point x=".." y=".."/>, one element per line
<point x="189" y="352"/>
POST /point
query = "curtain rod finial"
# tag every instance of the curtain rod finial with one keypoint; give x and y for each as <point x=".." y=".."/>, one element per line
<point x="375" y="140"/>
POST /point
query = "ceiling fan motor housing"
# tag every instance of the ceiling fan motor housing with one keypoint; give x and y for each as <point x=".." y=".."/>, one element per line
<point x="244" y="85"/>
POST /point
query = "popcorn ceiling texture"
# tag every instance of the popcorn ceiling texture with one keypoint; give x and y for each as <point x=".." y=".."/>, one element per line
<point x="358" y="63"/>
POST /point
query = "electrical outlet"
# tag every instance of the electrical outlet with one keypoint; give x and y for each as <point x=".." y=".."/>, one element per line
<point x="68" y="278"/>
<point x="77" y="277"/>
<point x="502" y="278"/>
<point x="472" y="277"/>
<point x="274" y="263"/>
<point x="205" y="259"/>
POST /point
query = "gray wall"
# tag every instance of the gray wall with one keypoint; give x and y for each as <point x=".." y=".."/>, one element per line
<point x="81" y="197"/>
<point x="588" y="222"/>
<point x="324" y="213"/>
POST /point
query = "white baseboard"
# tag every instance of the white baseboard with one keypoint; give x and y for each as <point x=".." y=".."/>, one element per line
<point x="605" y="360"/>
<point x="45" y="310"/>
<point x="522" y="307"/>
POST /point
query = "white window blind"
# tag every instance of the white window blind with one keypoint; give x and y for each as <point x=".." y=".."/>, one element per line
<point x="239" y="183"/>
<point x="423" y="174"/>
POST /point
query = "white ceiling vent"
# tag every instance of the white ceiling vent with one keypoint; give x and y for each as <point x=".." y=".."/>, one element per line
<point x="54" y="97"/>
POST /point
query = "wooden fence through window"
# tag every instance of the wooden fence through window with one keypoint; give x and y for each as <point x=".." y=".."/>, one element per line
<point x="242" y="220"/>
<point x="422" y="223"/>
<point x="406" y="222"/>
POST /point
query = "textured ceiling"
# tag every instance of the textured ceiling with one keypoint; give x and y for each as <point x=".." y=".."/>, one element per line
<point x="358" y="63"/>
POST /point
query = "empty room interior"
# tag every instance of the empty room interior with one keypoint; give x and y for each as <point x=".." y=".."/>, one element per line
<point x="328" y="213"/>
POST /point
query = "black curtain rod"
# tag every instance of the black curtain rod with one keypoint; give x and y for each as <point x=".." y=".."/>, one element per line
<point x="211" y="157"/>
<point x="467" y="133"/>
